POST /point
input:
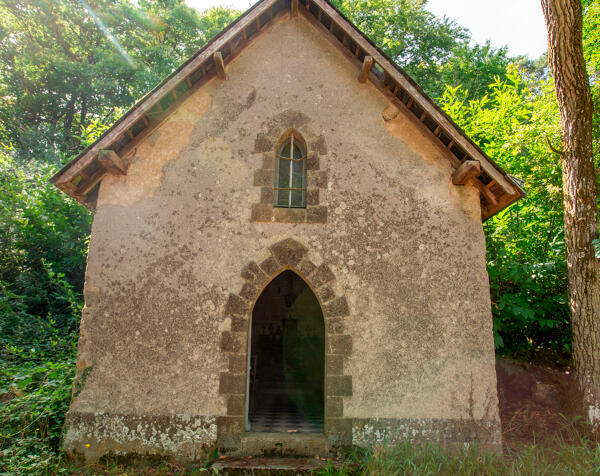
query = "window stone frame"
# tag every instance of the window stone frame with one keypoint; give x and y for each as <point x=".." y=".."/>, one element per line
<point x="267" y="143"/>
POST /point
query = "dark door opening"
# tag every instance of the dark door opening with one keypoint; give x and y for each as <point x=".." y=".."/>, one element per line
<point x="287" y="359"/>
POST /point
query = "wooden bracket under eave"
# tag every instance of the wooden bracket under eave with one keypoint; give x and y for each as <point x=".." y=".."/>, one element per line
<point x="111" y="162"/>
<point x="220" y="65"/>
<point x="366" y="68"/>
<point x="468" y="172"/>
<point x="294" y="8"/>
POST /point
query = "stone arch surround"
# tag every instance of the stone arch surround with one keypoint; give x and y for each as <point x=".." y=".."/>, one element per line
<point x="291" y="255"/>
<point x="267" y="141"/>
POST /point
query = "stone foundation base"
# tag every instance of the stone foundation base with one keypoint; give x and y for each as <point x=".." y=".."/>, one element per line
<point x="447" y="432"/>
<point x="90" y="436"/>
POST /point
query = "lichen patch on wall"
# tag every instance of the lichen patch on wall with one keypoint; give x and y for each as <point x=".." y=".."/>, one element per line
<point x="145" y="173"/>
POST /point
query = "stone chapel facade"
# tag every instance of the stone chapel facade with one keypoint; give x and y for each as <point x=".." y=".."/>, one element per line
<point x="289" y="150"/>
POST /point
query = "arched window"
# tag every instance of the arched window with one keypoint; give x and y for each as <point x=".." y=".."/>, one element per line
<point x="290" y="177"/>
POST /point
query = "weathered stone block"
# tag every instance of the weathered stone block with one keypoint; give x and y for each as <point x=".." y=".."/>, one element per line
<point x="338" y="307"/>
<point x="313" y="162"/>
<point x="229" y="432"/>
<point x="335" y="407"/>
<point x="334" y="325"/>
<point x="339" y="386"/>
<point x="263" y="178"/>
<point x="306" y="267"/>
<point x="317" y="214"/>
<point x="267" y="195"/>
<point x="340" y="344"/>
<point x="261" y="212"/>
<point x="312" y="196"/>
<point x="290" y="215"/>
<point x="248" y="292"/>
<point x="236" y="405"/>
<point x="268" y="162"/>
<point x="262" y="143"/>
<point x="335" y="365"/>
<point x="239" y="324"/>
<point x="339" y="431"/>
<point x="325" y="293"/>
<point x="233" y="342"/>
<point x="232" y="384"/>
<point x="316" y="178"/>
<point x="290" y="118"/>
<point x="320" y="145"/>
<point x="236" y="306"/>
<point x="238" y="363"/>
<point x="253" y="274"/>
<point x="322" y="275"/>
<point x="270" y="266"/>
<point x="288" y="252"/>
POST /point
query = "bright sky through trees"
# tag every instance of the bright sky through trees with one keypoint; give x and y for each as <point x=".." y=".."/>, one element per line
<point x="519" y="24"/>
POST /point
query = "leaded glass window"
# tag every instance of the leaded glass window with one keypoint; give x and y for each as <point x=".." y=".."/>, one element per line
<point x="290" y="178"/>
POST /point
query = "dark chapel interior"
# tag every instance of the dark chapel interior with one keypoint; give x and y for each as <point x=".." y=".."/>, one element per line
<point x="287" y="359"/>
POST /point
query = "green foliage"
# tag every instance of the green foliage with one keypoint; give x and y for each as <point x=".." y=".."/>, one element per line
<point x="36" y="398"/>
<point x="69" y="70"/>
<point x="43" y="235"/>
<point x="526" y="251"/>
<point x="434" y="51"/>
<point x="67" y="63"/>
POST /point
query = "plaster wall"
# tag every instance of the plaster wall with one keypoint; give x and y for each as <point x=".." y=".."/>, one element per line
<point x="170" y="239"/>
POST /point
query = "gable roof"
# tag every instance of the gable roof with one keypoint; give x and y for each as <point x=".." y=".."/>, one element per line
<point x="81" y="177"/>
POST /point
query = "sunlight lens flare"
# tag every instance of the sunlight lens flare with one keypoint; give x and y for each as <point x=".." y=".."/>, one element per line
<point x="107" y="33"/>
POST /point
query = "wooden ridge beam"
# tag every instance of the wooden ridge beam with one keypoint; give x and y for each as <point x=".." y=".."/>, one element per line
<point x="366" y="69"/>
<point x="220" y="65"/>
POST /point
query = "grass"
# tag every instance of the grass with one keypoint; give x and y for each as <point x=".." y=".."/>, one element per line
<point x="566" y="453"/>
<point x="559" y="459"/>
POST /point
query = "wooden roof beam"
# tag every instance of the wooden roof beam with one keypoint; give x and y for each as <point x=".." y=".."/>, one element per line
<point x="220" y="65"/>
<point x="86" y="186"/>
<point x="366" y="69"/>
<point x="468" y="170"/>
<point x="294" y="8"/>
<point x="488" y="195"/>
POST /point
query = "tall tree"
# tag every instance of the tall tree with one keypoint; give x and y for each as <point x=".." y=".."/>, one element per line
<point x="67" y="63"/>
<point x="564" y="22"/>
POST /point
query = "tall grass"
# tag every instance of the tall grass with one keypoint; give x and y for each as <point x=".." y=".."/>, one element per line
<point x="564" y="454"/>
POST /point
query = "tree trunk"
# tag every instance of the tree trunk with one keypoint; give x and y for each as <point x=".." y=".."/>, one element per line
<point x="564" y="23"/>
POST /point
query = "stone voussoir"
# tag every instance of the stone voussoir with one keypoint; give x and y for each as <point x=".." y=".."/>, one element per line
<point x="288" y="252"/>
<point x="254" y="275"/>
<point x="322" y="275"/>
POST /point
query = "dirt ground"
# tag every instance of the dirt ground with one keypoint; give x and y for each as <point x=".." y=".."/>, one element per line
<point x="536" y="402"/>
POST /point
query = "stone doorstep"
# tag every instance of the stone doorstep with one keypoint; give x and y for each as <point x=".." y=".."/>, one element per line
<point x="284" y="445"/>
<point x="231" y="466"/>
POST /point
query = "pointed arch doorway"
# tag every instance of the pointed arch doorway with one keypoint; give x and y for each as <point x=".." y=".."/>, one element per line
<point x="287" y="359"/>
